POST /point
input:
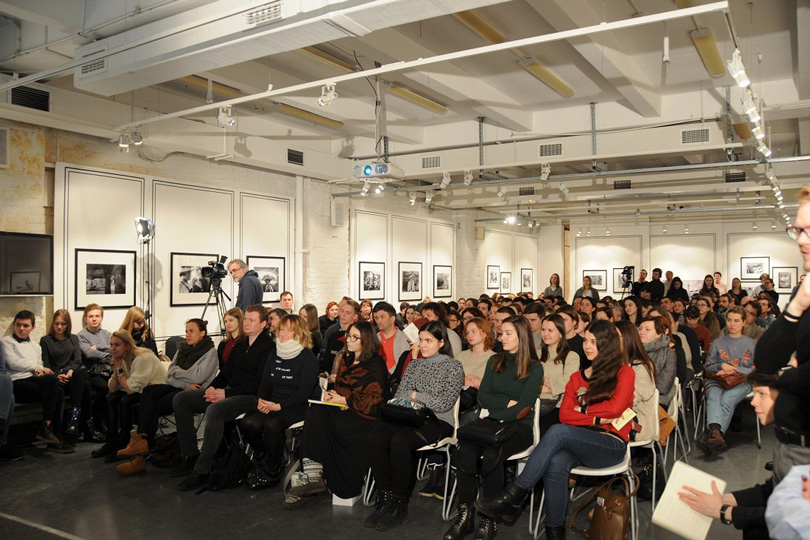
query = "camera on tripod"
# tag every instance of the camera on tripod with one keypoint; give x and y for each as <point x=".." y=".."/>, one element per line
<point x="215" y="270"/>
<point x="627" y="276"/>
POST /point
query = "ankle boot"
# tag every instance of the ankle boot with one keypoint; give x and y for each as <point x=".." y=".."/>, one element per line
<point x="394" y="514"/>
<point x="555" y="533"/>
<point x="72" y="429"/>
<point x="383" y="498"/>
<point x="465" y="521"/>
<point x="487" y="529"/>
<point x="90" y="433"/>
<point x="507" y="503"/>
<point x="137" y="445"/>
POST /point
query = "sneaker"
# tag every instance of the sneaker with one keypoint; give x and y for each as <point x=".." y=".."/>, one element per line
<point x="61" y="448"/>
<point x="45" y="434"/>
<point x="137" y="446"/>
<point x="294" y="502"/>
<point x="302" y="484"/>
<point x="9" y="453"/>
<point x="132" y="467"/>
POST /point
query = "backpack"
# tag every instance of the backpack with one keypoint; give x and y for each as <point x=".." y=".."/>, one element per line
<point x="231" y="470"/>
<point x="166" y="453"/>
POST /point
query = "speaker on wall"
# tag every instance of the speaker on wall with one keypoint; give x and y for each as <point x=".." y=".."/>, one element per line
<point x="337" y="213"/>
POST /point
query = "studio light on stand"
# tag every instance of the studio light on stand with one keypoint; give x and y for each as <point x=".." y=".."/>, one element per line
<point x="145" y="232"/>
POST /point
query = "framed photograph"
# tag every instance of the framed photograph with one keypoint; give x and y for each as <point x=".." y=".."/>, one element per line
<point x="24" y="282"/>
<point x="372" y="281"/>
<point x="526" y="280"/>
<point x="410" y="281"/>
<point x="493" y="276"/>
<point x="442" y="281"/>
<point x="506" y="282"/>
<point x="752" y="267"/>
<point x="188" y="286"/>
<point x="784" y="278"/>
<point x="617" y="282"/>
<point x="105" y="277"/>
<point x="598" y="278"/>
<point x="272" y="275"/>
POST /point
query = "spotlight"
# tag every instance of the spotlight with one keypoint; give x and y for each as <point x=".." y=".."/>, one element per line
<point x="225" y="117"/>
<point x="505" y="221"/>
<point x="769" y="174"/>
<point x="758" y="133"/>
<point x="501" y="193"/>
<point x="145" y="229"/>
<point x="664" y="229"/>
<point x="137" y="138"/>
<point x="737" y="70"/>
<point x="445" y="180"/>
<point x="468" y="178"/>
<point x="638" y="213"/>
<point x="328" y="95"/>
<point x="123" y="142"/>
<point x="379" y="189"/>
<point x="366" y="186"/>
<point x="588" y="232"/>
<point x="686" y="229"/>
<point x="579" y="233"/>
<point x="511" y="220"/>
<point x="773" y="225"/>
<point x="412" y="199"/>
<point x="429" y="197"/>
<point x="754" y="226"/>
<point x="607" y="231"/>
<point x="563" y="188"/>
<point x="545" y="172"/>
<point x="763" y="149"/>
<point x="751" y="109"/>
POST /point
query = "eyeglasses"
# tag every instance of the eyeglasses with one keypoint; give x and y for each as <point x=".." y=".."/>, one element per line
<point x="352" y="337"/>
<point x="795" y="232"/>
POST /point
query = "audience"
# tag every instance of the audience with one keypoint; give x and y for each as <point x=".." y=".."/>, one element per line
<point x="393" y="342"/>
<point x="329" y="317"/>
<point x="645" y="382"/>
<point x="234" y="332"/>
<point x="250" y="288"/>
<point x="559" y="362"/>
<point x="309" y="313"/>
<point x="94" y="342"/>
<point x="658" y="346"/>
<point x="553" y="289"/>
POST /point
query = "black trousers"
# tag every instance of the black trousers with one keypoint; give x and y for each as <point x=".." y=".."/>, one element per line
<point x="266" y="434"/>
<point x="80" y="392"/>
<point x="392" y="455"/>
<point x="45" y="389"/>
<point x="120" y="416"/>
<point x="156" y="401"/>
<point x="99" y="390"/>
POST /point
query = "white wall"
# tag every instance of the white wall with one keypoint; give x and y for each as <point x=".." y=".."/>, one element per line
<point x="511" y="252"/>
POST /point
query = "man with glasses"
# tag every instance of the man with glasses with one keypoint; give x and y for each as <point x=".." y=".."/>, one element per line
<point x="250" y="288"/>
<point x="751" y="327"/>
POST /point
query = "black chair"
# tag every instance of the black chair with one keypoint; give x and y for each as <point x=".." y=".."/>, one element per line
<point x="171" y="345"/>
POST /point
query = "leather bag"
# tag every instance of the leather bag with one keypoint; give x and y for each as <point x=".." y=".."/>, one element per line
<point x="611" y="515"/>
<point x="405" y="412"/>
<point x="729" y="380"/>
<point x="486" y="432"/>
<point x="666" y="425"/>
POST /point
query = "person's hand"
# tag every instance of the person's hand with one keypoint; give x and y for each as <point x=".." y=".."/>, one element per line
<point x="47" y="371"/>
<point x="333" y="397"/>
<point x="414" y="350"/>
<point x="93" y="348"/>
<point x="793" y="362"/>
<point x="707" y="504"/>
<point x="263" y="406"/>
<point x="805" y="486"/>
<point x="194" y="386"/>
<point x="511" y="403"/>
<point x="801" y="301"/>
<point x="214" y="395"/>
<point x="473" y="381"/>
<point x="728" y="368"/>
<point x="69" y="374"/>
<point x="38" y="373"/>
<point x="63" y="379"/>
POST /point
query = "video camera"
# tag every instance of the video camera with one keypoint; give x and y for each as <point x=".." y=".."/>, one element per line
<point x="627" y="276"/>
<point x="215" y="270"/>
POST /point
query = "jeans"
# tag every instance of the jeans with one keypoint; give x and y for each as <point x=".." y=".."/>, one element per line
<point x="561" y="449"/>
<point x="720" y="404"/>
<point x="6" y="406"/>
<point x="188" y="402"/>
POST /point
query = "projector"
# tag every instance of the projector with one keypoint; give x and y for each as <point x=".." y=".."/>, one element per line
<point x="378" y="170"/>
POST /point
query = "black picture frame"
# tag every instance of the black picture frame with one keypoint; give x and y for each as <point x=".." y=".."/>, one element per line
<point x="443" y="273"/>
<point x="602" y="279"/>
<point x="524" y="274"/>
<point x="188" y="286"/>
<point x="780" y="275"/>
<point x="272" y="272"/>
<point x="493" y="277"/>
<point x="105" y="269"/>
<point x="410" y="277"/>
<point x="506" y="283"/>
<point x="752" y="267"/>
<point x="371" y="281"/>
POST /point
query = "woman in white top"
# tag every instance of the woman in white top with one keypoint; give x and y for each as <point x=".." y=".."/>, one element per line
<point x="587" y="290"/>
<point x="559" y="362"/>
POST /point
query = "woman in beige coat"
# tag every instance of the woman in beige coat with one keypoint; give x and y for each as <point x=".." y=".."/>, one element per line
<point x="643" y="397"/>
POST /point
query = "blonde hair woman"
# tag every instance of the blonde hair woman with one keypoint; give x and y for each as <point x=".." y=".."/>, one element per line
<point x="135" y="323"/>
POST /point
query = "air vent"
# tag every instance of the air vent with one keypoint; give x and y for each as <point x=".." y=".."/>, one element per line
<point x="622" y="184"/>
<point x="3" y="148"/>
<point x="33" y="98"/>
<point x="732" y="177"/>
<point x="691" y="136"/>
<point x="94" y="66"/>
<point x="269" y="13"/>
<point x="550" y="150"/>
<point x="432" y="162"/>
<point x="526" y="191"/>
<point x="295" y="157"/>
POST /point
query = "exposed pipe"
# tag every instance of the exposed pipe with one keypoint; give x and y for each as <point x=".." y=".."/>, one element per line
<point x="481" y="146"/>
<point x="298" y="279"/>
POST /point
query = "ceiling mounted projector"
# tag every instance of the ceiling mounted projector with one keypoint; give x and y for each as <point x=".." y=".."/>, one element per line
<point x="378" y="169"/>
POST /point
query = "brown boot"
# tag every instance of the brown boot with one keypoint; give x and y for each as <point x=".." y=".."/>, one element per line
<point x="132" y="467"/>
<point x="716" y="441"/>
<point x="137" y="446"/>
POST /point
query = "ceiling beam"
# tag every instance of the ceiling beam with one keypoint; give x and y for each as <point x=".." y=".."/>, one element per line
<point x="66" y="15"/>
<point x="802" y="31"/>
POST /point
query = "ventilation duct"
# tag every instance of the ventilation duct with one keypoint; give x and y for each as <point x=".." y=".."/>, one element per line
<point x="432" y="162"/>
<point x="732" y="177"/>
<point x="295" y="157"/>
<point x="31" y="97"/>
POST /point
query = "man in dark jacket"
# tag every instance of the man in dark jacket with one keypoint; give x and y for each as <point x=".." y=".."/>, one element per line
<point x="250" y="288"/>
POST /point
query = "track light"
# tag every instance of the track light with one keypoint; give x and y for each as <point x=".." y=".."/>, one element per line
<point x="501" y="193"/>
<point x="579" y="233"/>
<point x="468" y="178"/>
<point x="545" y="172"/>
<point x="769" y="174"/>
<point x="607" y="231"/>
<point x="412" y="198"/>
<point x="588" y="232"/>
<point x="664" y="229"/>
<point x="751" y="109"/>
<point x="754" y="226"/>
<point x="445" y="180"/>
<point x="366" y="186"/>
<point x="123" y="142"/>
<point x="328" y="95"/>
<point x="737" y="70"/>
<point x="763" y="149"/>
<point x="225" y="117"/>
<point x="379" y="189"/>
<point x="511" y="220"/>
<point x="429" y="197"/>
<point x="137" y="138"/>
<point x="773" y="225"/>
<point x="563" y="188"/>
<point x="758" y="133"/>
<point x="686" y="229"/>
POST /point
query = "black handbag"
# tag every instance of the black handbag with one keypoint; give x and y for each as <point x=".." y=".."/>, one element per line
<point x="487" y="432"/>
<point x="407" y="413"/>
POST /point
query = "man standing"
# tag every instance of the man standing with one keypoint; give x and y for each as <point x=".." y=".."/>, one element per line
<point x="655" y="289"/>
<point x="392" y="342"/>
<point x="287" y="301"/>
<point x="640" y="285"/>
<point x="668" y="281"/>
<point x="718" y="282"/>
<point x="250" y="288"/>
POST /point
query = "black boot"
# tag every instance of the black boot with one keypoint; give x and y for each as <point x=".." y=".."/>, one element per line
<point x="90" y="433"/>
<point x="186" y="466"/>
<point x="487" y="529"/>
<point x="435" y="484"/>
<point x="107" y="449"/>
<point x="383" y="497"/>
<point x="555" y="533"/>
<point x="72" y="429"/>
<point x="394" y="514"/>
<point x="465" y="522"/>
<point x="507" y="503"/>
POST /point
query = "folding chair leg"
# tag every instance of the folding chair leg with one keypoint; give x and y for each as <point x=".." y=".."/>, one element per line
<point x="368" y="489"/>
<point x="759" y="435"/>
<point x="683" y="448"/>
<point x="447" y="503"/>
<point x="536" y="532"/>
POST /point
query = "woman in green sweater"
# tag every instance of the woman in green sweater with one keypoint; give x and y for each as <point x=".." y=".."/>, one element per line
<point x="509" y="388"/>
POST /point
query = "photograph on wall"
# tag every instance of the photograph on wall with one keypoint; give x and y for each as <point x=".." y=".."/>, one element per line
<point x="272" y="275"/>
<point x="598" y="279"/>
<point x="188" y="285"/>
<point x="105" y="277"/>
<point x="753" y="267"/>
<point x="372" y="281"/>
<point x="526" y="280"/>
<point x="442" y="281"/>
<point x="24" y="282"/>
<point x="618" y="281"/>
<point x="410" y="281"/>
<point x="493" y="276"/>
<point x="506" y="282"/>
<point x="784" y="278"/>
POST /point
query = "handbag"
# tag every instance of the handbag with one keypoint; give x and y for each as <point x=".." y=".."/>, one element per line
<point x="486" y="432"/>
<point x="665" y="424"/>
<point x="729" y="380"/>
<point x="405" y="412"/>
<point x="611" y="515"/>
<point x="547" y="406"/>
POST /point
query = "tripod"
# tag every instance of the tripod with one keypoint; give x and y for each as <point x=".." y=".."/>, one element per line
<point x="219" y="297"/>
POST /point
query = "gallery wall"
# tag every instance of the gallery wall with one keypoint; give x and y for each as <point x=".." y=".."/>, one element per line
<point x="511" y="256"/>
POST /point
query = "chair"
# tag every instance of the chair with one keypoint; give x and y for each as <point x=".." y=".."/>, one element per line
<point x="624" y="467"/>
<point x="674" y="410"/>
<point x="701" y="419"/>
<point x="653" y="444"/>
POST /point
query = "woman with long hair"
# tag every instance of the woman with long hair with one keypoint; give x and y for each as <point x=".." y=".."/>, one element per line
<point x="553" y="288"/>
<point x="593" y="398"/>
<point x="234" y="333"/>
<point x="62" y="355"/>
<point x="335" y="444"/>
<point x="559" y="362"/>
<point x="329" y="317"/>
<point x="474" y="360"/>
<point x="434" y="380"/>
<point x="708" y="287"/>
<point x="135" y="323"/>
<point x="366" y="306"/>
<point x="587" y="290"/>
<point x="737" y="290"/>
<point x="658" y="345"/>
<point x="309" y="313"/>
<point x="632" y="308"/>
<point x="644" y="389"/>
<point x="677" y="292"/>
<point x="708" y="318"/>
<point x="512" y="380"/>
<point x="587" y="306"/>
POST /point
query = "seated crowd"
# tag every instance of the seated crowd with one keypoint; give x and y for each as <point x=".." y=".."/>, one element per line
<point x="570" y="369"/>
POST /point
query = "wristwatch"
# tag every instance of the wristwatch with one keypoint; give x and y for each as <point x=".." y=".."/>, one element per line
<point x="723" y="519"/>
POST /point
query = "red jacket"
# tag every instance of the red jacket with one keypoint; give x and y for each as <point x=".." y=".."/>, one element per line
<point x="621" y="400"/>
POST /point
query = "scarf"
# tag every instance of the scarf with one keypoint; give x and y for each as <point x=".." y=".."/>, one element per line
<point x="289" y="349"/>
<point x="187" y="355"/>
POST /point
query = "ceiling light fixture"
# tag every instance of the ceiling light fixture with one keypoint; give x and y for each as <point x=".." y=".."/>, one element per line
<point x="773" y="225"/>
<point x="445" y="180"/>
<point x="737" y="70"/>
<point x="751" y="109"/>
<point x="754" y="226"/>
<point x="763" y="149"/>
<point x="225" y="117"/>
<point x="429" y="197"/>
<point x="770" y="175"/>
<point x="379" y="189"/>
<point x="412" y="198"/>
<point x="123" y="142"/>
<point x="588" y="232"/>
<point x="706" y="46"/>
<point x="542" y="74"/>
<point x="758" y="133"/>
<point x="328" y="95"/>
<point x="563" y="188"/>
<point x="468" y="178"/>
<point x="664" y="229"/>
<point x="607" y="231"/>
<point x="579" y="233"/>
<point x="366" y="186"/>
<point x="417" y="99"/>
<point x="545" y="171"/>
<point x="295" y="112"/>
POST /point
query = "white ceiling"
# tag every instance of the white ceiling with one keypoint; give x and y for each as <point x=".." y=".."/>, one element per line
<point x="640" y="104"/>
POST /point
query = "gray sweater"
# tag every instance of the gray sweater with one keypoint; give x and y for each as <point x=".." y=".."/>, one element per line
<point x="437" y="382"/>
<point x="202" y="372"/>
<point x="101" y="339"/>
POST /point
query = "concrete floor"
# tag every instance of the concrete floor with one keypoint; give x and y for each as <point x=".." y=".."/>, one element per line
<point x="72" y="496"/>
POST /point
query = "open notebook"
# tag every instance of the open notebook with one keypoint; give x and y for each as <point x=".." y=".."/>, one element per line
<point x="675" y="515"/>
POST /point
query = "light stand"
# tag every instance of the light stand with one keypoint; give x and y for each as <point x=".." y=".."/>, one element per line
<point x="145" y="229"/>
